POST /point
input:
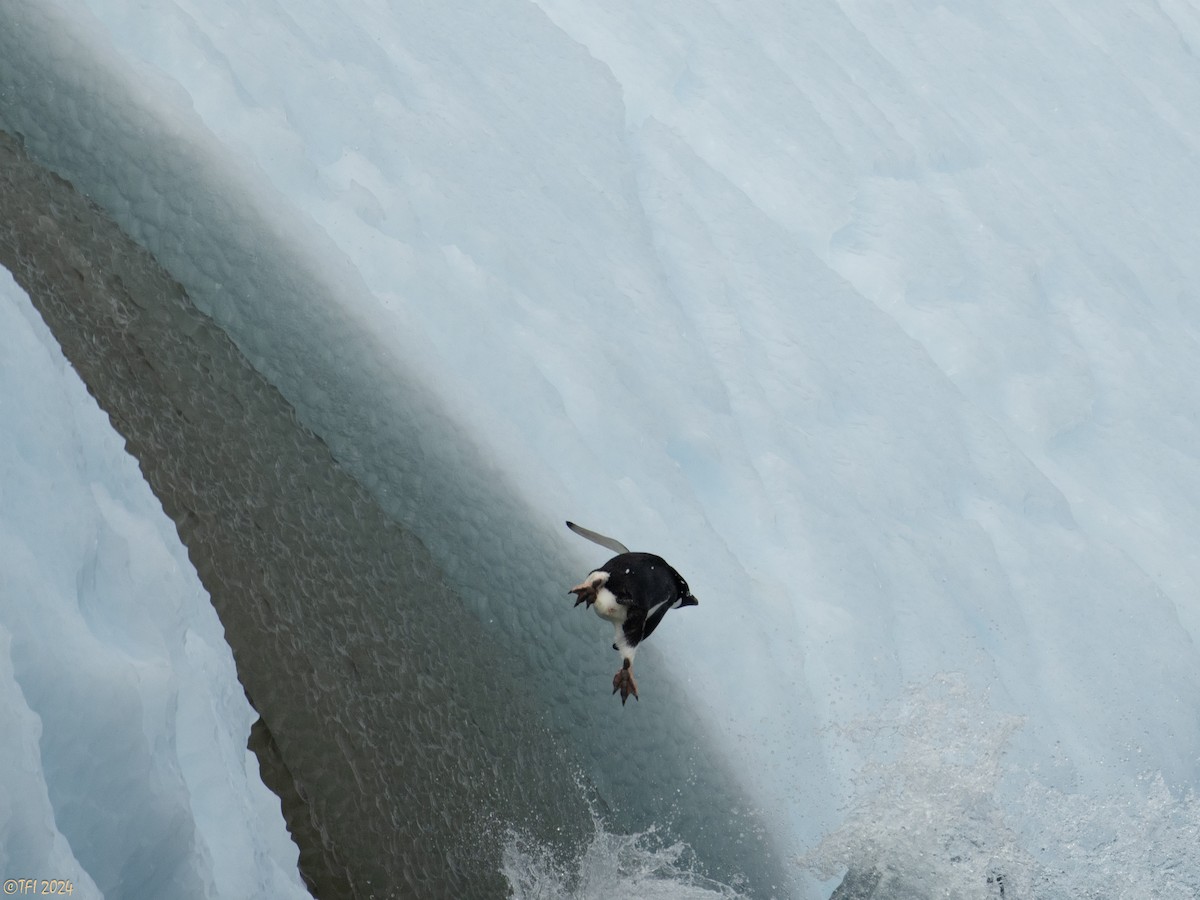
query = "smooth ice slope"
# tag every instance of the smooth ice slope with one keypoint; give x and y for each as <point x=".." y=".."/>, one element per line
<point x="127" y="771"/>
<point x="878" y="320"/>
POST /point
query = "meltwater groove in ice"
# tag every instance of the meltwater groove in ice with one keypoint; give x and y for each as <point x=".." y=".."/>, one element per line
<point x="876" y="318"/>
<point x="400" y="727"/>
<point x="407" y="731"/>
<point x="300" y="315"/>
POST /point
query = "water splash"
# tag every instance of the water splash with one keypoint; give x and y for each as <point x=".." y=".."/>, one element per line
<point x="643" y="865"/>
<point x="1116" y="848"/>
<point x="942" y="811"/>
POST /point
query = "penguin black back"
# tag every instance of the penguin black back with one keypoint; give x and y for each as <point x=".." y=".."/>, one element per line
<point x="645" y="581"/>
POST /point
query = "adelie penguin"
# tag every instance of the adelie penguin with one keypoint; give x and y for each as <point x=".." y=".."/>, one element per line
<point x="634" y="592"/>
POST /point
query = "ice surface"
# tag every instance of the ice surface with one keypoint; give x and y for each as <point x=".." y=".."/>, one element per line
<point x="128" y="774"/>
<point x="878" y="321"/>
<point x="435" y="481"/>
<point x="398" y="731"/>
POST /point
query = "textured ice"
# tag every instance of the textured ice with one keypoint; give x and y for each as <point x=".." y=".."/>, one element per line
<point x="398" y="733"/>
<point x="878" y="321"/>
<point x="127" y="771"/>
<point x="436" y="481"/>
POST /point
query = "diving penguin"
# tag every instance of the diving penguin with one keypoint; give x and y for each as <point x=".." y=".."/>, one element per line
<point x="634" y="592"/>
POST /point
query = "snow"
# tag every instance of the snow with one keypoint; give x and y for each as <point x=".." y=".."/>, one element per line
<point x="877" y="321"/>
<point x="128" y="773"/>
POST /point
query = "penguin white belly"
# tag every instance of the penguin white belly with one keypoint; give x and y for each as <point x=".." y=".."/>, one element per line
<point x="608" y="608"/>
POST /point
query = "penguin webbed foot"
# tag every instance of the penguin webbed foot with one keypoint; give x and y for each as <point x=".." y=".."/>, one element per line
<point x="584" y="593"/>
<point x="623" y="682"/>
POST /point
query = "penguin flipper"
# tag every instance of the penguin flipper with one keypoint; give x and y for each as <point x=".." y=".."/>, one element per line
<point x="597" y="538"/>
<point x="654" y="618"/>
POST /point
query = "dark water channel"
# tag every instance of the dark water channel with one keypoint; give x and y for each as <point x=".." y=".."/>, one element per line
<point x="390" y="722"/>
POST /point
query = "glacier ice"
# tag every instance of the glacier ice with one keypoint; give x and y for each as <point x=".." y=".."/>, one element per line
<point x="395" y="731"/>
<point x="128" y="773"/>
<point x="877" y="320"/>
